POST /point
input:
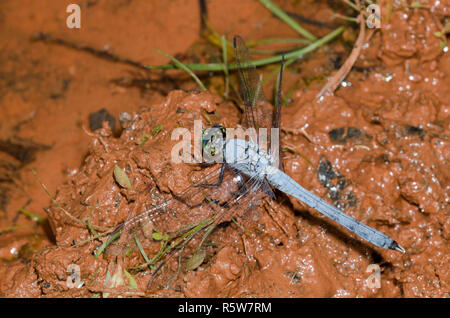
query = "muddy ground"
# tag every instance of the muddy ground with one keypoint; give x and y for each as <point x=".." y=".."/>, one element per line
<point x="378" y="149"/>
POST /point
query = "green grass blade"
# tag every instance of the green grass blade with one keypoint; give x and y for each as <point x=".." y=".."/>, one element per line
<point x="185" y="68"/>
<point x="351" y="4"/>
<point x="287" y="19"/>
<point x="106" y="244"/>
<point x="88" y="222"/>
<point x="10" y="228"/>
<point x="141" y="249"/>
<point x="225" y="64"/>
<point x="217" y="67"/>
<point x="277" y="40"/>
<point x="157" y="130"/>
<point x="32" y="216"/>
<point x="132" y="284"/>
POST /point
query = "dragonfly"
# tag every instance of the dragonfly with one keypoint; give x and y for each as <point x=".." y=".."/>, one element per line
<point x="251" y="171"/>
<point x="247" y="158"/>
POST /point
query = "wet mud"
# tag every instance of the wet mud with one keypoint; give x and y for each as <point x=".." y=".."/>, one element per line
<point x="378" y="148"/>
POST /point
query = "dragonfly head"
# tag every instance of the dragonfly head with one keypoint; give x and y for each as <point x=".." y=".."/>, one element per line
<point x="213" y="140"/>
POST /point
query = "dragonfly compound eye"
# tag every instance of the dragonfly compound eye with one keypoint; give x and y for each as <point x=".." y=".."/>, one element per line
<point x="213" y="140"/>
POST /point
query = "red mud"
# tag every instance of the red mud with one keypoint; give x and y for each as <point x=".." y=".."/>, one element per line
<point x="382" y="141"/>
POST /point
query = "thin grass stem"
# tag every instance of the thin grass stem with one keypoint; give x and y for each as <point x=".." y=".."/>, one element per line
<point x="183" y="67"/>
<point x="287" y="19"/>
<point x="217" y="67"/>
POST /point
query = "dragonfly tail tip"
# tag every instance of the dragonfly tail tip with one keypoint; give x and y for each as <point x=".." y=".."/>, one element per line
<point x="397" y="247"/>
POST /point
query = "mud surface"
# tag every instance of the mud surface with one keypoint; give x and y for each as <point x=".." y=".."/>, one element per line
<point x="378" y="149"/>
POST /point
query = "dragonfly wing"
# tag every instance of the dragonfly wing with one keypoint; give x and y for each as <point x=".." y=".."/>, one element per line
<point x="163" y="214"/>
<point x="277" y="116"/>
<point x="171" y="217"/>
<point x="257" y="111"/>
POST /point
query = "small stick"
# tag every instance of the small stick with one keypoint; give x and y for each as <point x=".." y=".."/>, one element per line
<point x="340" y="75"/>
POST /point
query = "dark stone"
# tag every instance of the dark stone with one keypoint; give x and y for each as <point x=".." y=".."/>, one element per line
<point x="413" y="130"/>
<point x="325" y="173"/>
<point x="341" y="135"/>
<point x="336" y="184"/>
<point x="96" y="120"/>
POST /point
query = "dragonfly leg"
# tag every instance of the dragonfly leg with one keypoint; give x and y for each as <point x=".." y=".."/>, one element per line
<point x="241" y="184"/>
<point x="242" y="192"/>
<point x="219" y="182"/>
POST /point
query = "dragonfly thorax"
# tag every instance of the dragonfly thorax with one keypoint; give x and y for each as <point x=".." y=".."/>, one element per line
<point x="248" y="158"/>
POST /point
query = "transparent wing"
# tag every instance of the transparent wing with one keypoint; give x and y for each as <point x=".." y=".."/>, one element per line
<point x="257" y="111"/>
<point x="172" y="221"/>
<point x="277" y="116"/>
